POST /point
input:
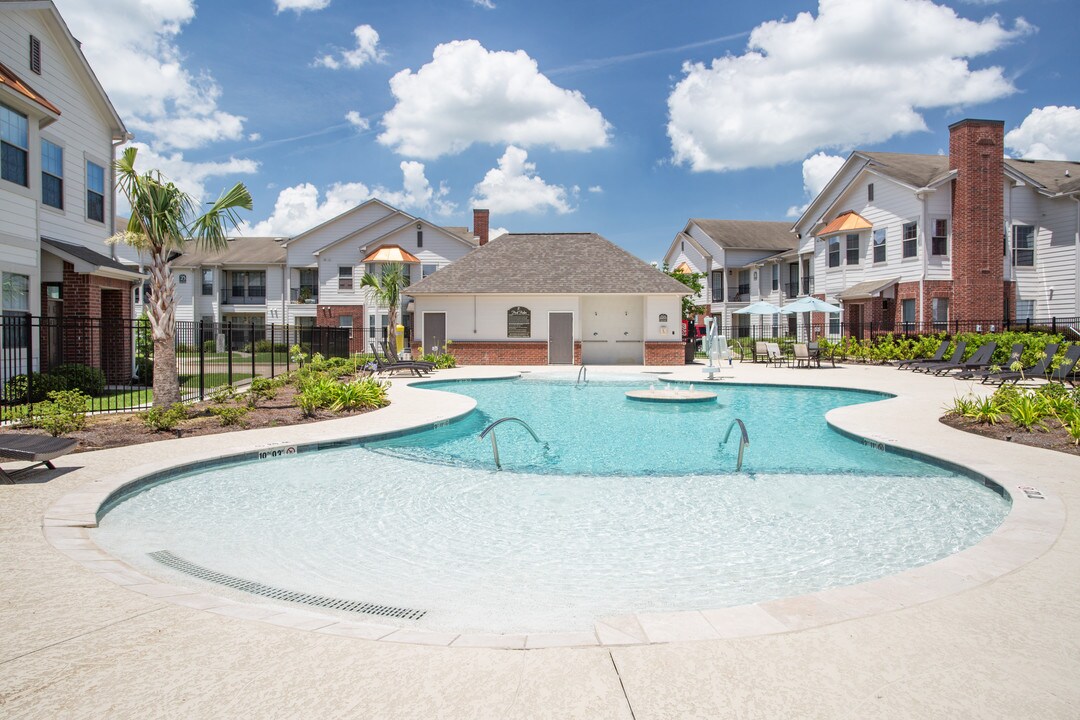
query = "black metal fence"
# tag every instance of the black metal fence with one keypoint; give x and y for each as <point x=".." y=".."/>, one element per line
<point x="112" y="360"/>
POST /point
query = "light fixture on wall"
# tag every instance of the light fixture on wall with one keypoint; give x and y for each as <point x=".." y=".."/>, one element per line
<point x="418" y="225"/>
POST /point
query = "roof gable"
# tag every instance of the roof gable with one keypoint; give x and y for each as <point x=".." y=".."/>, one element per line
<point x="748" y="234"/>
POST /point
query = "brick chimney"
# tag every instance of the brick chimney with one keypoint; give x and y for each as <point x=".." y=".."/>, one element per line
<point x="976" y="152"/>
<point x="480" y="225"/>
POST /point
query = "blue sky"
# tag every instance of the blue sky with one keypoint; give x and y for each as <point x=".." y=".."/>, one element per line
<point x="619" y="118"/>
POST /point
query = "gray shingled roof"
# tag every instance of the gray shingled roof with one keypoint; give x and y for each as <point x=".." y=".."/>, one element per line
<point x="89" y="256"/>
<point x="565" y="263"/>
<point x="909" y="168"/>
<point x="1050" y="173"/>
<point x="749" y="234"/>
<point x="240" y="251"/>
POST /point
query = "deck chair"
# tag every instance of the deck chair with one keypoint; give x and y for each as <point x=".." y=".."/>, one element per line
<point x="391" y="354"/>
<point x="1063" y="373"/>
<point x="938" y="356"/>
<point x="802" y="355"/>
<point x="1037" y="370"/>
<point x="774" y="354"/>
<point x="957" y="357"/>
<point x="761" y="352"/>
<point x="37" y="449"/>
<point x="383" y="364"/>
<point x="1014" y="356"/>
<point x="980" y="360"/>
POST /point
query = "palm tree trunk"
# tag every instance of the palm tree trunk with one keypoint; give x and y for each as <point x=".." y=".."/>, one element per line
<point x="160" y="311"/>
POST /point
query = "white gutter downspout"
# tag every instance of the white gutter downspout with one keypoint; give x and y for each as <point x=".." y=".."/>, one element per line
<point x="1076" y="255"/>
<point x="923" y="194"/>
<point x="123" y="139"/>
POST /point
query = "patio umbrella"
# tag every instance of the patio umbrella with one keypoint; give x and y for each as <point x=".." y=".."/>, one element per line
<point x="809" y="304"/>
<point x="759" y="308"/>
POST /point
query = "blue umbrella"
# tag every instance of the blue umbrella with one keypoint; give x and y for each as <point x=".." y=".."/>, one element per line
<point x="759" y="308"/>
<point x="809" y="304"/>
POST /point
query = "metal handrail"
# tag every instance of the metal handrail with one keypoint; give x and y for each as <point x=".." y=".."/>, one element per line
<point x="743" y="441"/>
<point x="495" y="443"/>
<point x="583" y="371"/>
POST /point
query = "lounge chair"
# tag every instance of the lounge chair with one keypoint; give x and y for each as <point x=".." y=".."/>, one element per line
<point x="1037" y="370"/>
<point x="957" y="357"/>
<point x="815" y="353"/>
<point x="37" y="449"/>
<point x="775" y="355"/>
<point x="1063" y="373"/>
<point x="938" y="356"/>
<point x="1014" y="356"/>
<point x="761" y="352"/>
<point x="383" y="365"/>
<point x="802" y="355"/>
<point x="391" y="354"/>
<point x="980" y="360"/>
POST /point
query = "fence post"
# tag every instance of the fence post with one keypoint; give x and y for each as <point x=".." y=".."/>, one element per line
<point x="273" y="348"/>
<point x="202" y="361"/>
<point x="253" y="349"/>
<point x="228" y="348"/>
<point x="1027" y="325"/>
<point x="1053" y="324"/>
<point x="29" y="370"/>
<point x="288" y="351"/>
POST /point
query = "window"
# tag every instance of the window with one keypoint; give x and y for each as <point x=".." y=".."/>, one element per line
<point x="426" y="270"/>
<point x="775" y="277"/>
<point x="1025" y="309"/>
<point x="52" y="175"/>
<point x="939" y="241"/>
<point x="16" y="309"/>
<point x="344" y="277"/>
<point x="834" y="252"/>
<point x="870" y="192"/>
<point x="879" y="246"/>
<point x="419" y="238"/>
<point x="776" y="325"/>
<point x="939" y="308"/>
<point x="35" y="55"/>
<point x="834" y="323"/>
<point x="246" y="287"/>
<point x="1024" y="245"/>
<point x="346" y="321"/>
<point x="852" y="249"/>
<point x="14" y="146"/>
<point x="95" y="192"/>
<point x="907" y="314"/>
<point x="207" y="281"/>
<point x="911" y="239"/>
<point x="717" y="286"/>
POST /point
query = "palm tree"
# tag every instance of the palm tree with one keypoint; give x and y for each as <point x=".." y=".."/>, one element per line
<point x="163" y="218"/>
<point x="386" y="287"/>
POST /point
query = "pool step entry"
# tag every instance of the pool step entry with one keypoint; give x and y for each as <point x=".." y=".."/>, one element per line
<point x="744" y="439"/>
<point x="495" y="443"/>
<point x="582" y="376"/>
<point x="188" y="568"/>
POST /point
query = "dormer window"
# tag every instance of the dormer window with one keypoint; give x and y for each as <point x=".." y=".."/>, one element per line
<point x="35" y="55"/>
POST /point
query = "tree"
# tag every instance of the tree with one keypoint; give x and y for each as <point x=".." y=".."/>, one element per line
<point x="164" y="221"/>
<point x="692" y="281"/>
<point x="386" y="287"/>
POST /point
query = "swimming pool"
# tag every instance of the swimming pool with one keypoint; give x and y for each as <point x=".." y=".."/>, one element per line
<point x="621" y="507"/>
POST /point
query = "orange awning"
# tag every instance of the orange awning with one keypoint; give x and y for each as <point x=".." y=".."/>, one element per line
<point x="13" y="81"/>
<point x="684" y="269"/>
<point x="392" y="254"/>
<point x="849" y="221"/>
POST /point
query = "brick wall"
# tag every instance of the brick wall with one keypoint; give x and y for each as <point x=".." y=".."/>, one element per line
<point x="976" y="151"/>
<point x="525" y="352"/>
<point x="102" y="345"/>
<point x="327" y="316"/>
<point x="665" y="353"/>
<point x="116" y="335"/>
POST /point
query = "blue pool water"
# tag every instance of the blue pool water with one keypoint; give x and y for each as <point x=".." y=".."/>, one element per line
<point x="632" y="507"/>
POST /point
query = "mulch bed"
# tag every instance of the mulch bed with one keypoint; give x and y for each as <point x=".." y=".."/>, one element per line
<point x="1054" y="439"/>
<point x="109" y="431"/>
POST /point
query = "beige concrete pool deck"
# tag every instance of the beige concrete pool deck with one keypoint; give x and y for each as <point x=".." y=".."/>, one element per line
<point x="993" y="631"/>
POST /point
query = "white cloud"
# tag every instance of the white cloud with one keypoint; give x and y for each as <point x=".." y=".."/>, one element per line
<point x="254" y="137"/>
<point x="358" y="122"/>
<point x="467" y="95"/>
<point x="858" y="73"/>
<point x="817" y="171"/>
<point x="191" y="177"/>
<point x="299" y="6"/>
<point x="596" y="189"/>
<point x="514" y="186"/>
<point x="1048" y="133"/>
<point x="496" y="232"/>
<point x="366" y="50"/>
<point x="488" y="4"/>
<point x="300" y="207"/>
<point x="131" y="45"/>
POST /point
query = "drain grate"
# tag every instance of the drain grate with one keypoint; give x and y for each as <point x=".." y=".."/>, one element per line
<point x="178" y="563"/>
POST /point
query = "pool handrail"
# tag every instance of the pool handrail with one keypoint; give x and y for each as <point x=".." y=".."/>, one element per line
<point x="744" y="440"/>
<point x="583" y="371"/>
<point x="495" y="444"/>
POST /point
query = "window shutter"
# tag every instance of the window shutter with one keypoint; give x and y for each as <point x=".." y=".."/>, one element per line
<point x="35" y="55"/>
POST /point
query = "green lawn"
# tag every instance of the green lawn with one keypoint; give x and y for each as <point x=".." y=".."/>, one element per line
<point x="213" y="379"/>
<point x="112" y="400"/>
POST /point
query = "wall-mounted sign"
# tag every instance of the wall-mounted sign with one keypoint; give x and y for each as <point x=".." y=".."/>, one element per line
<point x="182" y="279"/>
<point x="663" y="317"/>
<point x="518" y="322"/>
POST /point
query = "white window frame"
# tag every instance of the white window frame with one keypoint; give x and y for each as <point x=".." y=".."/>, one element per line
<point x="847" y="248"/>
<point x="60" y="177"/>
<point x="346" y="281"/>
<point x="1030" y="314"/>
<point x="884" y="245"/>
<point x="829" y="241"/>
<point x="904" y="240"/>
<point x="87" y="162"/>
<point x="1031" y="249"/>
<point x="25" y="148"/>
<point x="947" y="236"/>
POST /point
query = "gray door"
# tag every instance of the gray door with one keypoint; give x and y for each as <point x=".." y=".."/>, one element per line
<point x="561" y="338"/>
<point x="434" y="332"/>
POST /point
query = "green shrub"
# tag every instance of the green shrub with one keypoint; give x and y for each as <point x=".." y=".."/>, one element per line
<point x="261" y="389"/>
<point x="185" y="348"/>
<point x="209" y="346"/>
<point x="363" y="394"/>
<point x="442" y="361"/>
<point x="265" y="346"/>
<point x="229" y="414"/>
<point x="63" y="412"/>
<point x="90" y="380"/>
<point x="158" y="419"/>
<point x="223" y="394"/>
<point x="40" y="385"/>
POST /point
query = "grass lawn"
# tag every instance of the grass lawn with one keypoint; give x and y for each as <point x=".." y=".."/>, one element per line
<point x="112" y="400"/>
<point x="213" y="379"/>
